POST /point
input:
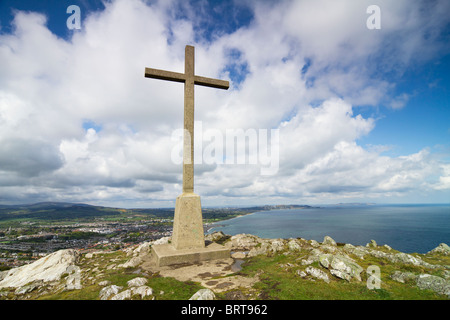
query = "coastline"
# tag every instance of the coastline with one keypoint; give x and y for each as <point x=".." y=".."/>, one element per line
<point x="208" y="226"/>
<point x="406" y="228"/>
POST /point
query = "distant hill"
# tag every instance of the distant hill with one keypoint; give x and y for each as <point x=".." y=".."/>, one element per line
<point x="72" y="211"/>
<point x="54" y="211"/>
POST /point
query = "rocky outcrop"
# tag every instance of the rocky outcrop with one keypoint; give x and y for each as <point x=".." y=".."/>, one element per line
<point x="136" y="286"/>
<point x="337" y="261"/>
<point x="442" y="249"/>
<point x="109" y="291"/>
<point x="203" y="294"/>
<point x="317" y="273"/>
<point x="403" y="277"/>
<point x="47" y="269"/>
<point x="325" y="261"/>
<point x="341" y="267"/>
<point x="139" y="253"/>
<point x="437" y="284"/>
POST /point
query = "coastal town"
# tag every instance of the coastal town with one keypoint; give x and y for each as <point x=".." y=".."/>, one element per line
<point x="29" y="232"/>
<point x="28" y="242"/>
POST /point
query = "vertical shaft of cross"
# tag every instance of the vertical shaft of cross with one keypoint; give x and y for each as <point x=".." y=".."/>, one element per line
<point x="190" y="80"/>
<point x="188" y="136"/>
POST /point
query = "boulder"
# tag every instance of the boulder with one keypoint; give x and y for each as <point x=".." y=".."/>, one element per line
<point x="317" y="273"/>
<point x="328" y="241"/>
<point x="302" y="274"/>
<point x="132" y="263"/>
<point x="341" y="267"/>
<point x="435" y="283"/>
<point x="294" y="245"/>
<point x="328" y="248"/>
<point x="314" y="243"/>
<point x="276" y="245"/>
<point x="359" y="251"/>
<point x="163" y="240"/>
<point x="203" y="294"/>
<point x="216" y="236"/>
<point x="403" y="258"/>
<point x="143" y="248"/>
<point x="104" y="283"/>
<point x="441" y="248"/>
<point x="372" y="244"/>
<point x="109" y="291"/>
<point x="47" y="269"/>
<point x="137" y="282"/>
<point x="244" y="241"/>
<point x="258" y="250"/>
<point x="403" y="276"/>
<point x="126" y="294"/>
<point x="143" y="291"/>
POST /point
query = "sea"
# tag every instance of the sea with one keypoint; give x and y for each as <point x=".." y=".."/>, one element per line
<point x="408" y="228"/>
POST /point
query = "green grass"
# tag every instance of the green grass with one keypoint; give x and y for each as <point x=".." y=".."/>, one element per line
<point x="172" y="288"/>
<point x="87" y="293"/>
<point x="283" y="283"/>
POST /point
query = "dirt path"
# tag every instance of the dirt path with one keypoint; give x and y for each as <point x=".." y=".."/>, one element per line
<point x="216" y="275"/>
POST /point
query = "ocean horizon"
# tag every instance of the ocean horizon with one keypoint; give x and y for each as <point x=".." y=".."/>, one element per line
<point x="405" y="227"/>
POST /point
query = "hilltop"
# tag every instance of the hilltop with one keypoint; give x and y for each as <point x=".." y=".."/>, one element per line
<point x="262" y="269"/>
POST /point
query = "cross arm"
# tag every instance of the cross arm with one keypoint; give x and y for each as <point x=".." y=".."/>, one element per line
<point x="164" y="75"/>
<point x="209" y="82"/>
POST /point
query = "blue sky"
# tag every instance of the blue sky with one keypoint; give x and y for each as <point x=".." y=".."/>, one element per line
<point x="363" y="115"/>
<point x="425" y="119"/>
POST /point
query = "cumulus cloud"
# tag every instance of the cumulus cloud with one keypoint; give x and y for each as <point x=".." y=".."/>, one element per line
<point x="79" y="122"/>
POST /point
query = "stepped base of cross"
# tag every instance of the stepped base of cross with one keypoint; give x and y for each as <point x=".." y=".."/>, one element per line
<point x="188" y="240"/>
<point x="167" y="255"/>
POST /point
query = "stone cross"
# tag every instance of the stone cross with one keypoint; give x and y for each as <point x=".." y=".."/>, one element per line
<point x="188" y="222"/>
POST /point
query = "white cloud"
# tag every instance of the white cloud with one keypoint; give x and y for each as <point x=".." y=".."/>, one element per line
<point x="50" y="87"/>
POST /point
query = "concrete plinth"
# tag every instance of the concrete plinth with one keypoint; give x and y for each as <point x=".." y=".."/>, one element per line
<point x="188" y="222"/>
<point x="166" y="254"/>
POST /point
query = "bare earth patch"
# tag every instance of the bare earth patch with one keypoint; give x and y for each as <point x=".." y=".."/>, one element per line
<point x="214" y="274"/>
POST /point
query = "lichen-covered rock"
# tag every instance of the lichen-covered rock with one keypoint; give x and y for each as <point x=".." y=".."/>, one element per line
<point x="47" y="269"/>
<point x="435" y="283"/>
<point x="109" y="291"/>
<point x="126" y="294"/>
<point x="317" y="273"/>
<point x="359" y="251"/>
<point x="262" y="249"/>
<point x="403" y="276"/>
<point x="372" y="244"/>
<point x="216" y="236"/>
<point x="244" y="241"/>
<point x="143" y="291"/>
<point x="276" y="245"/>
<point x="137" y="282"/>
<point x="313" y="257"/>
<point x="203" y="294"/>
<point x="294" y="245"/>
<point x="132" y="263"/>
<point x="314" y="243"/>
<point x="442" y="249"/>
<point x="341" y="267"/>
<point x="327" y="240"/>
